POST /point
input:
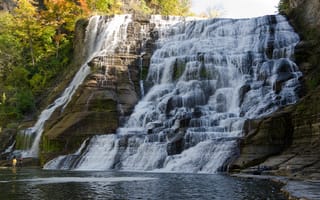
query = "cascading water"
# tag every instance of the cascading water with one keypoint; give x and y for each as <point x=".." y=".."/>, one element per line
<point x="103" y="35"/>
<point x="207" y="78"/>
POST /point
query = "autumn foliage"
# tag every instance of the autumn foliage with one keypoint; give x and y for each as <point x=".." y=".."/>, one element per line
<point x="36" y="44"/>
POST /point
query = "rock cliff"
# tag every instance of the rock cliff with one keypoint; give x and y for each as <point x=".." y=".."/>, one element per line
<point x="284" y="143"/>
<point x="107" y="95"/>
<point x="287" y="142"/>
<point x="6" y="5"/>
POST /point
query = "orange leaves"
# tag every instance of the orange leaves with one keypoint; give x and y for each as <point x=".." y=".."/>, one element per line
<point x="84" y="7"/>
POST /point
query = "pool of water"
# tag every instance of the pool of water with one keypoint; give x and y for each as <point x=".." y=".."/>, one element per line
<point x="44" y="184"/>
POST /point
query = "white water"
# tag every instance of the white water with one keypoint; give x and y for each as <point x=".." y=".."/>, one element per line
<point x="208" y="77"/>
<point x="10" y="148"/>
<point x="102" y="37"/>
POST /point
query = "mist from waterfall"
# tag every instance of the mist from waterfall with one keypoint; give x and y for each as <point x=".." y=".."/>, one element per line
<point x="208" y="77"/>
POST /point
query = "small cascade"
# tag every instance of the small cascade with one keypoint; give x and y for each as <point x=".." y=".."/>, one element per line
<point x="103" y="34"/>
<point x="24" y="140"/>
<point x="143" y="38"/>
<point x="207" y="78"/>
<point x="10" y="148"/>
<point x="58" y="162"/>
<point x="141" y="78"/>
<point x="142" y="52"/>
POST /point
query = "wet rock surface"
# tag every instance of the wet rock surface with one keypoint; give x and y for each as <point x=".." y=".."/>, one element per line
<point x="293" y="189"/>
<point x="302" y="190"/>
<point x="285" y="143"/>
<point x="295" y="153"/>
<point x="107" y="95"/>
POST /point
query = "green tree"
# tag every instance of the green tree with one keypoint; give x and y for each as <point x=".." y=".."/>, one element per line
<point x="27" y="29"/>
<point x="283" y="6"/>
<point x="170" y="7"/>
<point x="36" y="45"/>
<point x="60" y="17"/>
<point x="24" y="101"/>
<point x="18" y="77"/>
<point x="105" y="6"/>
<point x="10" y="46"/>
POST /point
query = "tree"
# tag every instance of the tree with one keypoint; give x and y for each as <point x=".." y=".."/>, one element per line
<point x="30" y="42"/>
<point x="105" y="6"/>
<point x="25" y="16"/>
<point x="283" y="6"/>
<point x="25" y="101"/>
<point x="170" y="7"/>
<point x="10" y="46"/>
<point x="60" y="16"/>
<point x="211" y="12"/>
<point x="84" y="7"/>
<point x="184" y="6"/>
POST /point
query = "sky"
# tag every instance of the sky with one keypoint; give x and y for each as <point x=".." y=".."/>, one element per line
<point x="237" y="8"/>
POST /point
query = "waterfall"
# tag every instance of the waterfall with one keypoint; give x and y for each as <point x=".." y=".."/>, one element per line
<point x="103" y="34"/>
<point x="141" y="78"/>
<point x="208" y="77"/>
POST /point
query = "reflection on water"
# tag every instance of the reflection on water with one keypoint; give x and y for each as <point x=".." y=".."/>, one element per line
<point x="40" y="184"/>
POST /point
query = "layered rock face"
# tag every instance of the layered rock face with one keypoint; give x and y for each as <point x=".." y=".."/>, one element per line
<point x="204" y="84"/>
<point x="6" y="5"/>
<point x="305" y="17"/>
<point x="287" y="142"/>
<point x="309" y="11"/>
<point x="107" y="95"/>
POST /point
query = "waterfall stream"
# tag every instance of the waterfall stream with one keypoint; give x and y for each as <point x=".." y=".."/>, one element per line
<point x="102" y="37"/>
<point x="207" y="77"/>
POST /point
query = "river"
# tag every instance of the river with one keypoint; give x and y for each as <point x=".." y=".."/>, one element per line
<point x="49" y="184"/>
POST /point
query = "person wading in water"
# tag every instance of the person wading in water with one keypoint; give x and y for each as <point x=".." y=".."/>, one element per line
<point x="14" y="162"/>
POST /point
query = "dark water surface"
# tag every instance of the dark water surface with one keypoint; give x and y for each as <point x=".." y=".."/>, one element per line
<point x="41" y="184"/>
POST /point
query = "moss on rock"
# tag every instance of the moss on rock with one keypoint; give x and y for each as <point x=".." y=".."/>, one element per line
<point x="178" y="69"/>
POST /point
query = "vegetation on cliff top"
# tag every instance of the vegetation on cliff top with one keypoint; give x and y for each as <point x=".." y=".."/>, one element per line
<point x="36" y="43"/>
<point x="283" y="6"/>
<point x="308" y="57"/>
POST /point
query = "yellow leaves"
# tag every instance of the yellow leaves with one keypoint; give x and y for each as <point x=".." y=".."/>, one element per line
<point x="84" y="7"/>
<point x="105" y="6"/>
<point x="62" y="13"/>
<point x="24" y="11"/>
<point x="170" y="7"/>
<point x="4" y="98"/>
<point x="5" y="22"/>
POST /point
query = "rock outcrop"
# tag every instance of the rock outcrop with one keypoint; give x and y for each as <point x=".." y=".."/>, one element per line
<point x="288" y="142"/>
<point x="107" y="95"/>
<point x="7" y="5"/>
<point x="7" y="138"/>
<point x="305" y="17"/>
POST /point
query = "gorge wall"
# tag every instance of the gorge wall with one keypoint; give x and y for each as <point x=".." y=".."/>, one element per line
<point x="287" y="142"/>
<point x="107" y="95"/>
<point x="205" y="83"/>
<point x="6" y="5"/>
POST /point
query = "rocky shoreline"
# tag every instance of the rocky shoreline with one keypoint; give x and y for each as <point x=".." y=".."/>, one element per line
<point x="286" y="143"/>
<point x="293" y="189"/>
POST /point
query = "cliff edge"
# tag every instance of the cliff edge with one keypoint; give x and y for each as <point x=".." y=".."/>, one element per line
<point x="287" y="142"/>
